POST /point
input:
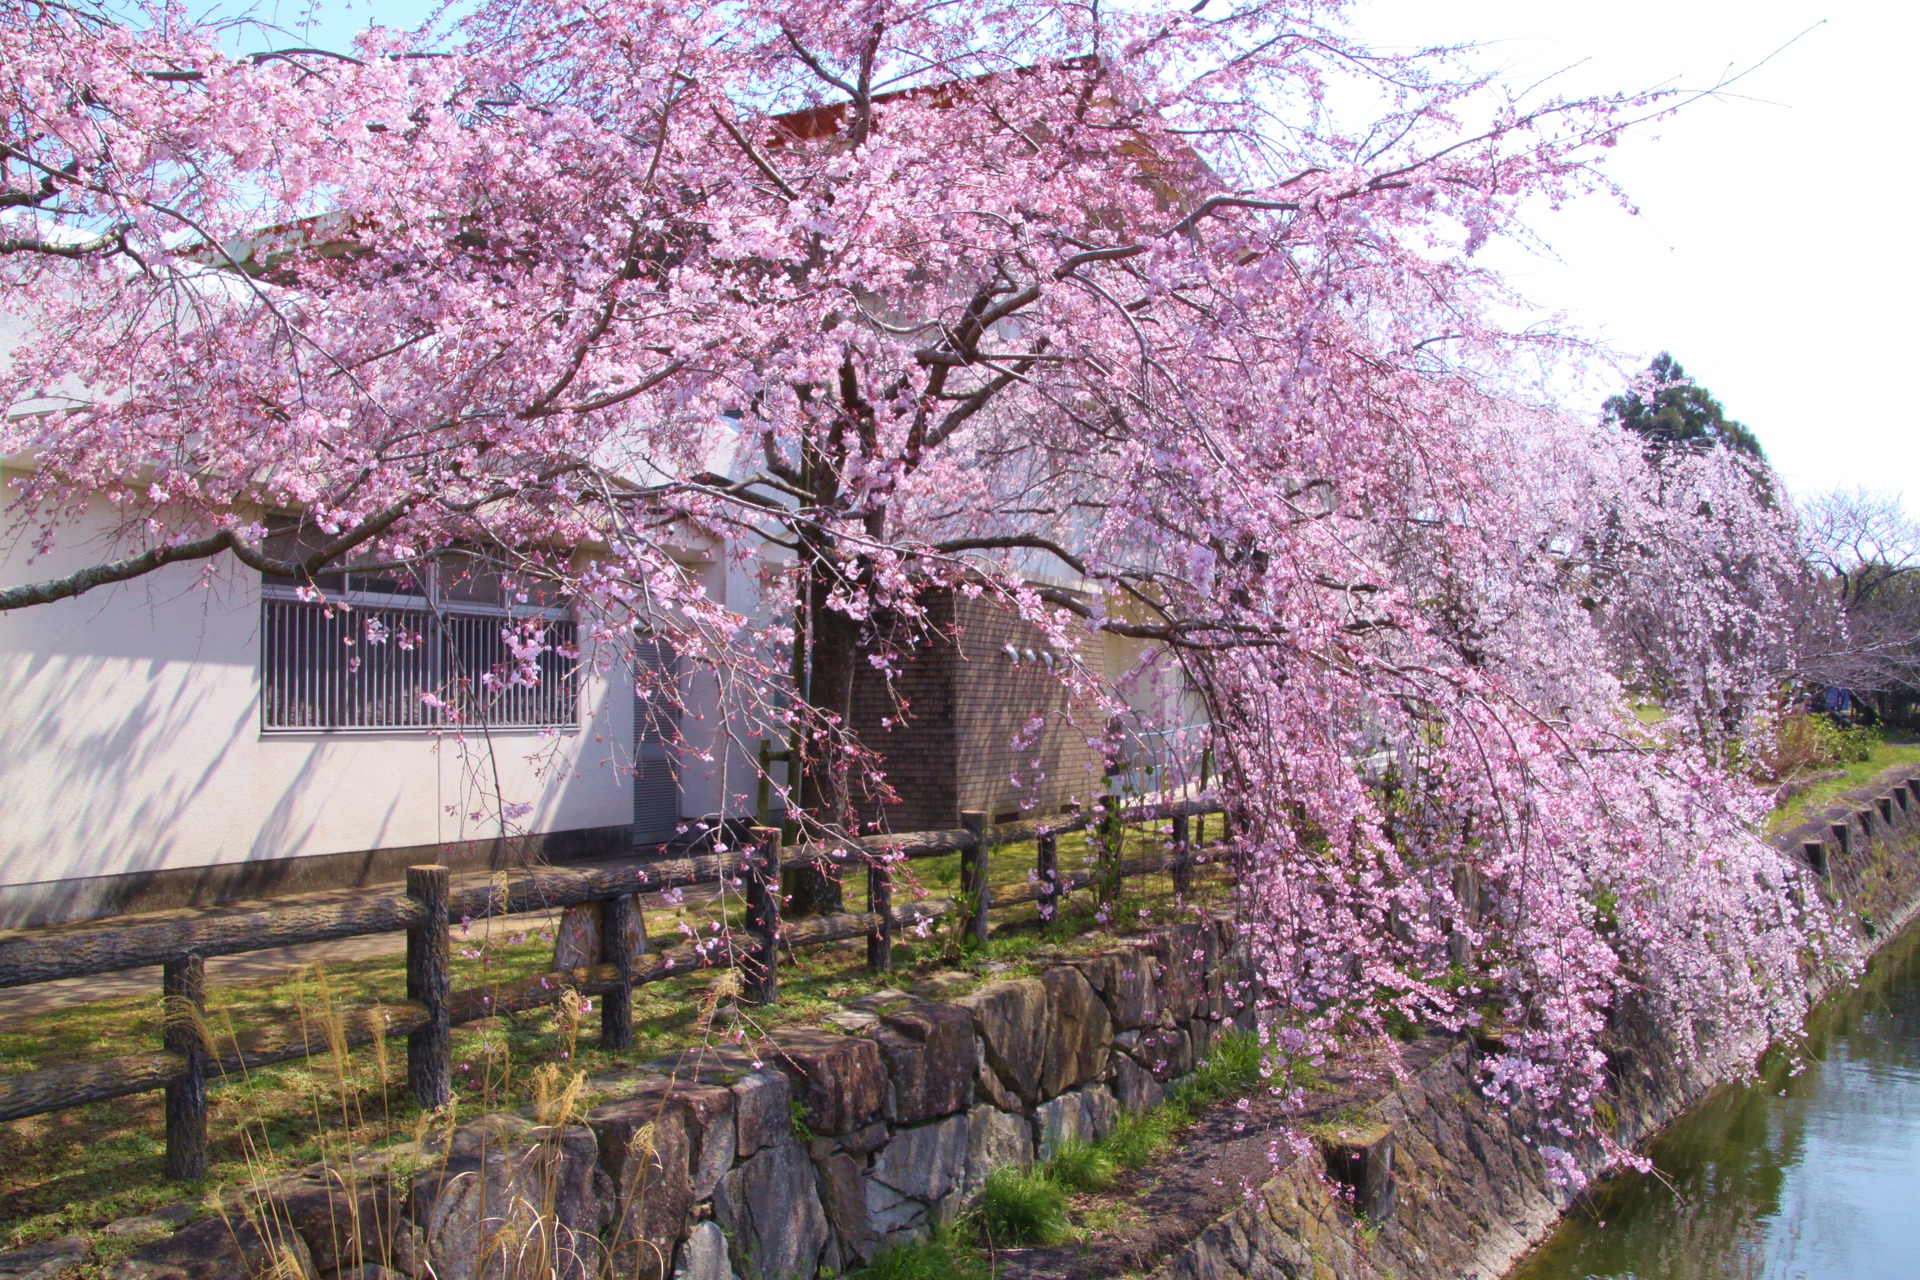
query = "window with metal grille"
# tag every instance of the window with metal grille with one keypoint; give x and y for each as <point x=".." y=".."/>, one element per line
<point x="353" y="652"/>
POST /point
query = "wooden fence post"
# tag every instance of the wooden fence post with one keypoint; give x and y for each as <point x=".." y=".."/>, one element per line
<point x="185" y="983"/>
<point x="762" y="869"/>
<point x="975" y="892"/>
<point x="1112" y="836"/>
<point x="616" y="1006"/>
<point x="430" y="981"/>
<point x="1047" y="870"/>
<point x="880" y="904"/>
<point x="1183" y="857"/>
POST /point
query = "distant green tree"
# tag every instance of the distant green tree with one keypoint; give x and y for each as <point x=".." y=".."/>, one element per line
<point x="1680" y="414"/>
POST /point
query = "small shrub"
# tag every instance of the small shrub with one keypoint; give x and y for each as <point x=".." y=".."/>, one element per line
<point x="1082" y="1166"/>
<point x="797" y="1116"/>
<point x="1855" y="743"/>
<point x="1808" y="742"/>
<point x="1023" y="1207"/>
<point x="1232" y="1068"/>
<point x="1141" y="1137"/>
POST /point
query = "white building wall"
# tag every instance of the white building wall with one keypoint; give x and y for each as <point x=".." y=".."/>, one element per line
<point x="130" y="741"/>
<point x="722" y="729"/>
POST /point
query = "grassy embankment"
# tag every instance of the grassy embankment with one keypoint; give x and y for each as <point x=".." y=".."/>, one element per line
<point x="76" y="1170"/>
<point x="1888" y="750"/>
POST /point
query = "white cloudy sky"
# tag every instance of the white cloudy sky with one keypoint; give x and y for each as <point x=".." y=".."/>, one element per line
<point x="1774" y="252"/>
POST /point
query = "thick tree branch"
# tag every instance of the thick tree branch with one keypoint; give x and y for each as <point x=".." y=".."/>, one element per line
<point x="82" y="581"/>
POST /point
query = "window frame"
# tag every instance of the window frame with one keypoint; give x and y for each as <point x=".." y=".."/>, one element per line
<point x="279" y="599"/>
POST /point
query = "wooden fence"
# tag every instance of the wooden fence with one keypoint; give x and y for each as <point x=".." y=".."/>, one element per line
<point x="187" y="1063"/>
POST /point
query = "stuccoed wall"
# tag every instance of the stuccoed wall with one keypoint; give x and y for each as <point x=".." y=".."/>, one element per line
<point x="142" y="780"/>
<point x="132" y="724"/>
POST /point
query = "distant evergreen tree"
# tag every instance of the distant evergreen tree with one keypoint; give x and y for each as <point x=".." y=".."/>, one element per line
<point x="1681" y="414"/>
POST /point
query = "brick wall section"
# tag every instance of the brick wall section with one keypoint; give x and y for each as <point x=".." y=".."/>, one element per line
<point x="966" y="701"/>
<point x="918" y="754"/>
<point x="996" y="698"/>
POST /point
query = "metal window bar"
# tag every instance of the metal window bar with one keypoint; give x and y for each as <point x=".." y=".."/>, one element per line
<point x="319" y="671"/>
<point x="491" y="685"/>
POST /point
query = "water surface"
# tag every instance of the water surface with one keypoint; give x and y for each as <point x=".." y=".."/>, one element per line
<point x="1808" y="1176"/>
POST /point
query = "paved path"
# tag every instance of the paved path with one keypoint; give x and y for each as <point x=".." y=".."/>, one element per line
<point x="17" y="1003"/>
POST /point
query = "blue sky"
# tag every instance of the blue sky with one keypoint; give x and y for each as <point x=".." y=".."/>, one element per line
<point x="1774" y="253"/>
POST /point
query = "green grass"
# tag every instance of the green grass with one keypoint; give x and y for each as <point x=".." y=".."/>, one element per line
<point x="944" y="1257"/>
<point x="1084" y="1166"/>
<point x="1142" y="1137"/>
<point x="1035" y="1205"/>
<point x="1891" y="750"/>
<point x="1232" y="1068"/>
<point x="1022" y="1207"/>
<point x="74" y="1171"/>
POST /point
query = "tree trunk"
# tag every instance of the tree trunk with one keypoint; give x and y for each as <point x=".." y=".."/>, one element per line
<point x="832" y="640"/>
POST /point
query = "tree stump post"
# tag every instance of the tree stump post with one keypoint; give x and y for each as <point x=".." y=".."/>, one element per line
<point x="184" y="982"/>
<point x="1815" y="853"/>
<point x="616" y="1005"/>
<point x="762" y="873"/>
<point x="974" y="890"/>
<point x="430" y="981"/>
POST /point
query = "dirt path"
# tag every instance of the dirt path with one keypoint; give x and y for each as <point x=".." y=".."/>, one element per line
<point x="17" y="1003"/>
<point x="1221" y="1161"/>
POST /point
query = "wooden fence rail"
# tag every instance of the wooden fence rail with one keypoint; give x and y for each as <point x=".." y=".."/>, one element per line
<point x="192" y="1058"/>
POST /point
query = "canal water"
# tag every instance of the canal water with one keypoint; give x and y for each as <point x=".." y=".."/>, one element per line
<point x="1808" y="1176"/>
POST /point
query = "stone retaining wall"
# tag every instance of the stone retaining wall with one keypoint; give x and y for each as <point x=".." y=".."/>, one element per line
<point x="816" y="1152"/>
